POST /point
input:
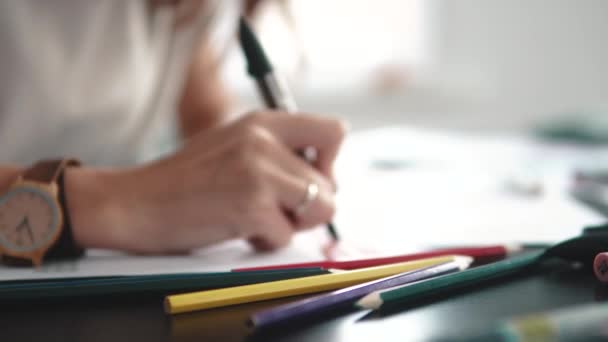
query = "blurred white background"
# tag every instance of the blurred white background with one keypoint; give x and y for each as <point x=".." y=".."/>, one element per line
<point x="469" y="64"/>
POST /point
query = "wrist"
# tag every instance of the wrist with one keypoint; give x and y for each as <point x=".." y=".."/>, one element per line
<point x="93" y="201"/>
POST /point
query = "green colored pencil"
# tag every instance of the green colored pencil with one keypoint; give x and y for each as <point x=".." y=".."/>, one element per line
<point x="393" y="297"/>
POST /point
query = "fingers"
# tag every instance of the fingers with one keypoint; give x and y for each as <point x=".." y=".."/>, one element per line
<point x="291" y="179"/>
<point x="276" y="232"/>
<point x="283" y="180"/>
<point x="301" y="131"/>
<point x="278" y="224"/>
<point x="288" y="177"/>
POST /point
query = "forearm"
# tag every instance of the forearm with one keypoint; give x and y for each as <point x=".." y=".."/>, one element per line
<point x="121" y="209"/>
<point x="205" y="100"/>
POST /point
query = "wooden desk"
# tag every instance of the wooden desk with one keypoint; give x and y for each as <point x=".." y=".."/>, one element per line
<point x="142" y="319"/>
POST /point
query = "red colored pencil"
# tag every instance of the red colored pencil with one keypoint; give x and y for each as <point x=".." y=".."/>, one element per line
<point x="481" y="255"/>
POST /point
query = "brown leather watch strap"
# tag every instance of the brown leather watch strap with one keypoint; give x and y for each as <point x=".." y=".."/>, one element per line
<point x="65" y="247"/>
<point x="48" y="171"/>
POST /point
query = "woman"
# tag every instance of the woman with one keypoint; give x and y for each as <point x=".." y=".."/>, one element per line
<point x="95" y="81"/>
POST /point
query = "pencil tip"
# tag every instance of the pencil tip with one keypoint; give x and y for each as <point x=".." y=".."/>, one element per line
<point x="513" y="248"/>
<point x="463" y="261"/>
<point x="371" y="301"/>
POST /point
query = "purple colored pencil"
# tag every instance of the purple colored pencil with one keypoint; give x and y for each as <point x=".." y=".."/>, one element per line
<point x="336" y="299"/>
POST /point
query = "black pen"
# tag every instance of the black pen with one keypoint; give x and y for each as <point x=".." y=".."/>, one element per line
<point x="273" y="90"/>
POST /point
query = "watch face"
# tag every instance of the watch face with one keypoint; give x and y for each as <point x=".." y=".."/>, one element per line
<point x="29" y="219"/>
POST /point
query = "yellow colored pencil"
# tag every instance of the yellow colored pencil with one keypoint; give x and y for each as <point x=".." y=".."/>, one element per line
<point x="291" y="287"/>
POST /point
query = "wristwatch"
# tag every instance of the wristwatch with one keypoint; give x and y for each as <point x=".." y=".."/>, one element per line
<point x="34" y="223"/>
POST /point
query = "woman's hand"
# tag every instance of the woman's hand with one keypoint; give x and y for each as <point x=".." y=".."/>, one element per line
<point x="242" y="180"/>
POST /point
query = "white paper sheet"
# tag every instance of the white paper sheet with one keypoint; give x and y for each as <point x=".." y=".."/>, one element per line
<point x="220" y="258"/>
<point x="404" y="189"/>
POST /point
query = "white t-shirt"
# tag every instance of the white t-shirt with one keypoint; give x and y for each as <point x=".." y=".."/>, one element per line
<point x="91" y="79"/>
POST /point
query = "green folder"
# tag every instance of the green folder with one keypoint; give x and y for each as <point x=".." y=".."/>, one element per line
<point x="144" y="284"/>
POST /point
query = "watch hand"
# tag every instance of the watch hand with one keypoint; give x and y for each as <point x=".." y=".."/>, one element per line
<point x="30" y="233"/>
<point x="22" y="223"/>
<point x="25" y="224"/>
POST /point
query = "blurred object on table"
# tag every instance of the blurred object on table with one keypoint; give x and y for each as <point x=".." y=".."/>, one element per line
<point x="577" y="128"/>
<point x="591" y="188"/>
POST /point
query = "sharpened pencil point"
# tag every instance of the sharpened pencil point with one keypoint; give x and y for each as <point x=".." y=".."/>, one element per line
<point x="463" y="261"/>
<point x="513" y="248"/>
<point x="371" y="301"/>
